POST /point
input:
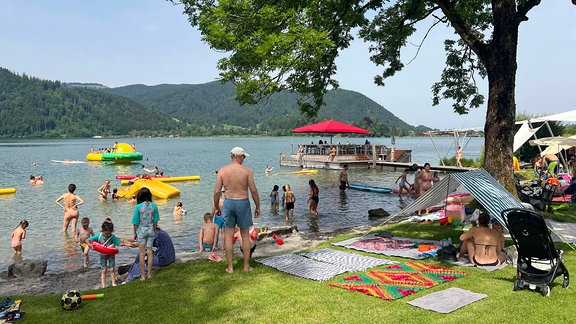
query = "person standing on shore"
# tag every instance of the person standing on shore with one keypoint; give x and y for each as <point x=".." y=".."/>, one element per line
<point x="71" y="203"/>
<point x="344" y="178"/>
<point x="82" y="234"/>
<point x="238" y="180"/>
<point x="144" y="221"/>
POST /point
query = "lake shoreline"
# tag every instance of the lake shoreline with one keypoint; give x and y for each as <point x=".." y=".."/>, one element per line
<point x="89" y="279"/>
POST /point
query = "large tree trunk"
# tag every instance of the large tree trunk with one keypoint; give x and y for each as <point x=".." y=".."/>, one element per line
<point x="501" y="113"/>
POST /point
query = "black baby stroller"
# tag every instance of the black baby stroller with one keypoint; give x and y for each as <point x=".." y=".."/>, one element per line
<point x="539" y="262"/>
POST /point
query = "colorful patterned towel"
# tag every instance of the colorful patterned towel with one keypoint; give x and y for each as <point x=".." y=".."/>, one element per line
<point x="398" y="280"/>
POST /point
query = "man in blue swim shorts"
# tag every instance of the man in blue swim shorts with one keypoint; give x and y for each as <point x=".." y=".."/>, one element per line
<point x="238" y="180"/>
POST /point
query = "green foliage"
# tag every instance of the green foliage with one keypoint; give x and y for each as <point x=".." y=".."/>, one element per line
<point x="30" y="107"/>
<point x="211" y="104"/>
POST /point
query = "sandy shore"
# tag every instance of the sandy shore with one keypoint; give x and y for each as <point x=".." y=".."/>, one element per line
<point x="89" y="279"/>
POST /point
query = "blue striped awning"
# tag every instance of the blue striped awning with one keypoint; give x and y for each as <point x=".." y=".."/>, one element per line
<point x="488" y="192"/>
<point x="480" y="184"/>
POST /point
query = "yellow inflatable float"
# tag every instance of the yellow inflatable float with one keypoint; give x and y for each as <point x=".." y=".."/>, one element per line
<point x="166" y="179"/>
<point x="6" y="191"/>
<point x="157" y="188"/>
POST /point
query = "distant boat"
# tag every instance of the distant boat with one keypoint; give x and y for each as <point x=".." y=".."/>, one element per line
<point x="362" y="187"/>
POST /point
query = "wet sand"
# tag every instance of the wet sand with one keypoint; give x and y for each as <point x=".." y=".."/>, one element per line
<point x="89" y="279"/>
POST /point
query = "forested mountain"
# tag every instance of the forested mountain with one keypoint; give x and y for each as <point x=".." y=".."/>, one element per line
<point x="213" y="105"/>
<point x="31" y="107"/>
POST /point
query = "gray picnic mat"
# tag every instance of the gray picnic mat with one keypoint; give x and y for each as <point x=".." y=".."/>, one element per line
<point x="400" y="247"/>
<point x="302" y="266"/>
<point x="566" y="230"/>
<point x="448" y="300"/>
<point x="345" y="260"/>
<point x="322" y="264"/>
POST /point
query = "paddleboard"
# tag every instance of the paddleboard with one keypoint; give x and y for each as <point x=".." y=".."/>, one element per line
<point x="294" y="172"/>
<point x="362" y="187"/>
<point x="68" y="161"/>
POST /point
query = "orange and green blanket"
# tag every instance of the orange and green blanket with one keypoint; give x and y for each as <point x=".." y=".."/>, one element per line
<point x="398" y="280"/>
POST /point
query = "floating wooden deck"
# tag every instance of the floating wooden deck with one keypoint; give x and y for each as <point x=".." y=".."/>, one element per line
<point x="316" y="156"/>
<point x="366" y="156"/>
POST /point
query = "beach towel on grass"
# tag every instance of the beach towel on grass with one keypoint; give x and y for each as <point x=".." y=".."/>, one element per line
<point x="398" y="280"/>
<point x="395" y="246"/>
<point x="322" y="264"/>
<point x="447" y="300"/>
<point x="302" y="266"/>
<point x="345" y="260"/>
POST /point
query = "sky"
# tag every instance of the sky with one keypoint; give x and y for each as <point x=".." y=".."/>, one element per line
<point x="118" y="43"/>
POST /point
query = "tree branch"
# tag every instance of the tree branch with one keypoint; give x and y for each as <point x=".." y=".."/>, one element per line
<point x="523" y="9"/>
<point x="463" y="29"/>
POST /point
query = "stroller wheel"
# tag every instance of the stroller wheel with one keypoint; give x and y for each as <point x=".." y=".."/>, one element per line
<point x="566" y="282"/>
<point x="546" y="291"/>
<point x="516" y="285"/>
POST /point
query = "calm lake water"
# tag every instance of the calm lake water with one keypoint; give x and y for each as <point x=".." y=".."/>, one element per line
<point x="180" y="156"/>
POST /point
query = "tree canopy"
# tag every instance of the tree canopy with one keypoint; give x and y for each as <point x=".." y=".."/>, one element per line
<point x="293" y="45"/>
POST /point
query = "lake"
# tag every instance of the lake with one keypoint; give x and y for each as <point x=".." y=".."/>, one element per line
<point x="181" y="156"/>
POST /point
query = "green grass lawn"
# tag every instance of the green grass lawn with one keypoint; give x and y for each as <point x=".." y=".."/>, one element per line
<point x="202" y="292"/>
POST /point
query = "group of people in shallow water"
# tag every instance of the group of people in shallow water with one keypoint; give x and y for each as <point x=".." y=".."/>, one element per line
<point x="288" y="199"/>
<point x="424" y="179"/>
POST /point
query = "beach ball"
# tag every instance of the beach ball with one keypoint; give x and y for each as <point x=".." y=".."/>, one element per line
<point x="71" y="300"/>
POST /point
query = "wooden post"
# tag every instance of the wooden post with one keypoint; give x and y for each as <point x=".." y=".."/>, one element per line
<point x="374" y="156"/>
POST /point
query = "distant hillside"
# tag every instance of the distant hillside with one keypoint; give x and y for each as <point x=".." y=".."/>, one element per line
<point x="30" y="107"/>
<point x="213" y="103"/>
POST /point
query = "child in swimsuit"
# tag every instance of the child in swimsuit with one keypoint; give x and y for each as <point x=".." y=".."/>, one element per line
<point x="18" y="235"/>
<point x="208" y="235"/>
<point x="289" y="203"/>
<point x="107" y="261"/>
<point x="82" y="234"/>
<point x="403" y="184"/>
<point x="274" y="196"/>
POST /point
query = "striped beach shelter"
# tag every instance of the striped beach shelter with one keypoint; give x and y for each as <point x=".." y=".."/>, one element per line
<point x="479" y="183"/>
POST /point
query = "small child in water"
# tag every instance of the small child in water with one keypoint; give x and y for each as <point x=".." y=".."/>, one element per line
<point x="274" y="196"/>
<point x="208" y="235"/>
<point x="82" y="234"/>
<point x="178" y="211"/>
<point x="18" y="235"/>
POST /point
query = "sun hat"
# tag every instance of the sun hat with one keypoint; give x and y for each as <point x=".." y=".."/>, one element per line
<point x="239" y="151"/>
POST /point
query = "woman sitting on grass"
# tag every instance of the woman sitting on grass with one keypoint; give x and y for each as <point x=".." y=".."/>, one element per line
<point x="482" y="244"/>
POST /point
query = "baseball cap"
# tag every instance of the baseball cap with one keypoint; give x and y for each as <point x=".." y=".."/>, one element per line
<point x="239" y="151"/>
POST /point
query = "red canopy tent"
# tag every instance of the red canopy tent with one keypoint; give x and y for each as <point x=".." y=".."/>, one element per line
<point x="331" y="127"/>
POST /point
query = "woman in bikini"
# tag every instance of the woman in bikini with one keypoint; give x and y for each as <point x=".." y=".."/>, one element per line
<point x="71" y="203"/>
<point x="482" y="244"/>
<point x="313" y="197"/>
<point x="424" y="180"/>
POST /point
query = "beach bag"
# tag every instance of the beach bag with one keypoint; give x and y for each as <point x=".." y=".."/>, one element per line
<point x="447" y="253"/>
